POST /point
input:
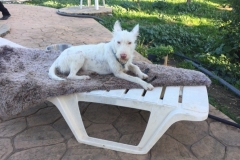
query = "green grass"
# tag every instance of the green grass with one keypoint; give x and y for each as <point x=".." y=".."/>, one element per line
<point x="187" y="27"/>
<point x="199" y="13"/>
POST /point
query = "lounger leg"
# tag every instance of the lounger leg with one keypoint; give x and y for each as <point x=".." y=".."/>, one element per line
<point x="68" y="106"/>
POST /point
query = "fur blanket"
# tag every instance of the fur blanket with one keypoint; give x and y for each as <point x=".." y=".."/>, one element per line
<point x="24" y="80"/>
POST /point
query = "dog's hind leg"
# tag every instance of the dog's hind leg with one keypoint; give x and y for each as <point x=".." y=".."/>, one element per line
<point x="74" y="68"/>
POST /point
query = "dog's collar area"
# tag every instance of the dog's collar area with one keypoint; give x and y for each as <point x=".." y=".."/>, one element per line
<point x="123" y="64"/>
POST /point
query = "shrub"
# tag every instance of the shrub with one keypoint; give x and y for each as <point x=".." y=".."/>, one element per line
<point x="185" y="7"/>
<point x="160" y="4"/>
<point x="178" y="36"/>
<point x="160" y="51"/>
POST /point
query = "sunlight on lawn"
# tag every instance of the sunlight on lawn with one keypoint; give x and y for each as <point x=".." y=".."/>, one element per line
<point x="196" y="18"/>
<point x="187" y="20"/>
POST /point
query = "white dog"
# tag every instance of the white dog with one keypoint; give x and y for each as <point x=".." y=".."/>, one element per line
<point x="104" y="58"/>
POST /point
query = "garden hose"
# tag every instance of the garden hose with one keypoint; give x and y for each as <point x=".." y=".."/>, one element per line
<point x="199" y="66"/>
<point x="79" y="15"/>
<point x="229" y="86"/>
<point x="185" y="57"/>
<point x="224" y="121"/>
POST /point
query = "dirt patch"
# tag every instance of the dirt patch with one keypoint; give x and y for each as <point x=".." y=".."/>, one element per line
<point x="225" y="101"/>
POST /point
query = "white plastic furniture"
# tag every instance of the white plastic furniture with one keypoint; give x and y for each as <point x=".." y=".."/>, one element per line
<point x="177" y="103"/>
<point x="4" y="41"/>
<point x="96" y="4"/>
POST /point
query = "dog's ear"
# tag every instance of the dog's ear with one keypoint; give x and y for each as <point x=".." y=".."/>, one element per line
<point x="135" y="30"/>
<point x="117" y="27"/>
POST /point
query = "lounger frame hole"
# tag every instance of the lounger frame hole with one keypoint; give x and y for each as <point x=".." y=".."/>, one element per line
<point x="180" y="95"/>
<point x="126" y="91"/>
<point x="114" y="123"/>
<point x="163" y="92"/>
<point x="144" y="92"/>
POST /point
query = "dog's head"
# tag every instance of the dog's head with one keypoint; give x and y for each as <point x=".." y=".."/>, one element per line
<point x="124" y="42"/>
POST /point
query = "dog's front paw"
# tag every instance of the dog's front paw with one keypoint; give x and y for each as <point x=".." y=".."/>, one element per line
<point x="85" y="77"/>
<point x="148" y="86"/>
<point x="143" y="76"/>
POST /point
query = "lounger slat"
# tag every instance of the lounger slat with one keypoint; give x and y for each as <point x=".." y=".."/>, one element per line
<point x="171" y="96"/>
<point x="134" y="94"/>
<point x="116" y="93"/>
<point x="195" y="98"/>
<point x="97" y="92"/>
<point x="154" y="95"/>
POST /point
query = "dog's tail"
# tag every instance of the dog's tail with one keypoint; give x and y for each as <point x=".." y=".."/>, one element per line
<point x="52" y="73"/>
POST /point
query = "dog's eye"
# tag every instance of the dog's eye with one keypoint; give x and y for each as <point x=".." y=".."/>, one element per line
<point x="119" y="42"/>
<point x="129" y="43"/>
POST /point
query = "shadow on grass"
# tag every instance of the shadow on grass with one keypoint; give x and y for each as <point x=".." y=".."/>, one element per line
<point x="53" y="4"/>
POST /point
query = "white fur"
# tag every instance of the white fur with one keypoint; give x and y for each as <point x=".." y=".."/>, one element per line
<point x="100" y="58"/>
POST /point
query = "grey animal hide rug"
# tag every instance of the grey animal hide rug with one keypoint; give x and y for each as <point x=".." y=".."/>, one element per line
<point x="24" y="80"/>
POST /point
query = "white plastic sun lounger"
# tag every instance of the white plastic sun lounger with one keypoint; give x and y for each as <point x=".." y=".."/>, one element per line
<point x="166" y="106"/>
<point x="178" y="103"/>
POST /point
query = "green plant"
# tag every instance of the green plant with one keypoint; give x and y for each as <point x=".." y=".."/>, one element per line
<point x="183" y="38"/>
<point x="185" y="64"/>
<point x="160" y="4"/>
<point x="188" y="7"/>
<point x="222" y="66"/>
<point x="142" y="49"/>
<point x="229" y="44"/>
<point x="160" y="51"/>
<point x="130" y="6"/>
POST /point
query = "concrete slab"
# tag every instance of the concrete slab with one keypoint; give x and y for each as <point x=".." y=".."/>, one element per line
<point x="38" y="27"/>
<point x="4" y="29"/>
<point x="75" y="10"/>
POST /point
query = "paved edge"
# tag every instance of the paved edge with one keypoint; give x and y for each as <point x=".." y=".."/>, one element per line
<point x="4" y="29"/>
